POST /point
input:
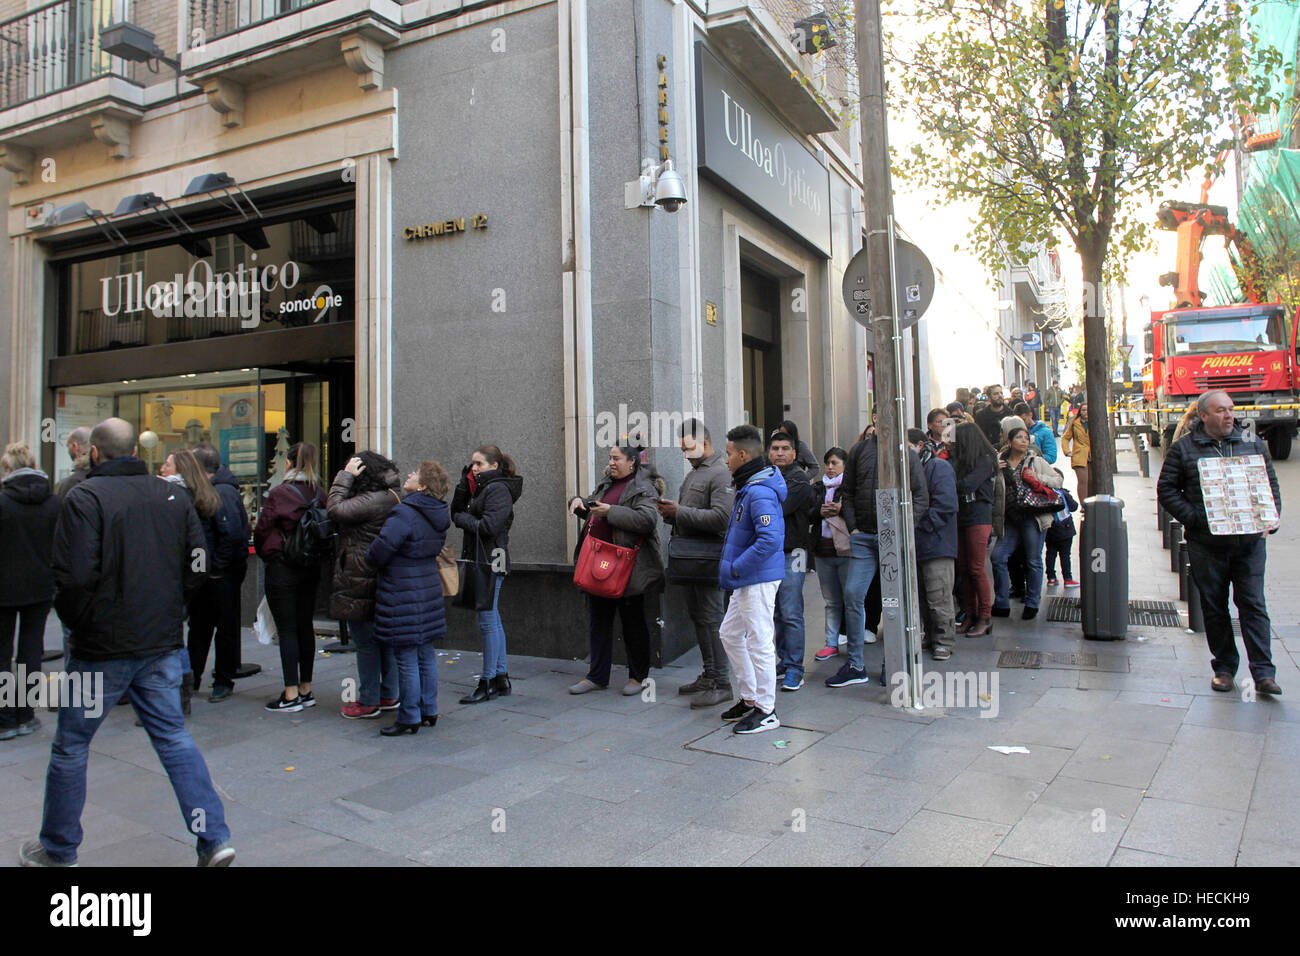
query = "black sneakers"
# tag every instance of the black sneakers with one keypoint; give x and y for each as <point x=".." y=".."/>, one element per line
<point x="285" y="706"/>
<point x="308" y="699"/>
<point x="741" y="709"/>
<point x="846" y="675"/>
<point x="757" y="721"/>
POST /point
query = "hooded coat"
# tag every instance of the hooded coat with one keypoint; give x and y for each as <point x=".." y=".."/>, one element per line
<point x="409" y="609"/>
<point x="28" y="513"/>
<point x="228" y="547"/>
<point x="487" y="514"/>
<point x="358" y="518"/>
<point x="936" y="531"/>
<point x="753" y="552"/>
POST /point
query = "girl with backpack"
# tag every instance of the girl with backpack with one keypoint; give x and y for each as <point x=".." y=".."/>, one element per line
<point x="292" y="573"/>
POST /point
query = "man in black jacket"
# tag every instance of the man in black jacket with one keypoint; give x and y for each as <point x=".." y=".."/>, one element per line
<point x="215" y="606"/>
<point x="78" y="446"/>
<point x="858" y="509"/>
<point x="797" y="508"/>
<point x="127" y="548"/>
<point x="989" y="418"/>
<point x="1222" y="559"/>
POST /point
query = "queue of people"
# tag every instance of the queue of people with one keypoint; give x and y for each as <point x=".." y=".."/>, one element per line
<point x="746" y="528"/>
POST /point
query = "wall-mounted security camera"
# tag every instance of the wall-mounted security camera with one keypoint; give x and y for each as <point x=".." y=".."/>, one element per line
<point x="659" y="185"/>
<point x="670" y="191"/>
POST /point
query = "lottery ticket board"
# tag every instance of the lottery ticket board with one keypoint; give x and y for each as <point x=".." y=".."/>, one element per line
<point x="1238" y="497"/>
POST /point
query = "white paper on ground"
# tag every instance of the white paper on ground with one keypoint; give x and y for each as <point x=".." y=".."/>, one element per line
<point x="1010" y="750"/>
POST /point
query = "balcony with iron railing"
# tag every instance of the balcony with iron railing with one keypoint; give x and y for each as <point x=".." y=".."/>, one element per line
<point x="54" y="48"/>
<point x="213" y="19"/>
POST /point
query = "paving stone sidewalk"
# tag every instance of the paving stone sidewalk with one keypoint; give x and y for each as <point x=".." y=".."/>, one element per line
<point x="1144" y="766"/>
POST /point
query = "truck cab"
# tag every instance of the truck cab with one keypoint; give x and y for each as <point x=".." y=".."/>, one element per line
<point x="1248" y="351"/>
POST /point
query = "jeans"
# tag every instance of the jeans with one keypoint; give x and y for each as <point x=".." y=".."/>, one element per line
<point x="215" y="608"/>
<point x="788" y="621"/>
<point x="493" y="634"/>
<point x="1024" y="533"/>
<point x="1056" y="421"/>
<point x="832" y="575"/>
<point x="376" y="666"/>
<point x="704" y="605"/>
<point x="746" y="633"/>
<point x="30" y="620"/>
<point x="1239" y="561"/>
<point x="153" y="685"/>
<point x="417" y="668"/>
<point x="636" y="636"/>
<point x="291" y="595"/>
<point x="862" y="571"/>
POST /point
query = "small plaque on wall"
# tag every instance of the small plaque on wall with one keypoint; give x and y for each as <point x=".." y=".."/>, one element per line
<point x="710" y="312"/>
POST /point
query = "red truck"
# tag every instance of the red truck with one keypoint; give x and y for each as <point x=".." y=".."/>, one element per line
<point x="1246" y="349"/>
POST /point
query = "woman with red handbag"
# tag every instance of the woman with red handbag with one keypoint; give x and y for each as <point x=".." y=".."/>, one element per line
<point x="1030" y="503"/>
<point x="619" y="543"/>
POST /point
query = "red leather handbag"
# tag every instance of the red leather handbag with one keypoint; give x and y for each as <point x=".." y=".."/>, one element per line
<point x="604" y="568"/>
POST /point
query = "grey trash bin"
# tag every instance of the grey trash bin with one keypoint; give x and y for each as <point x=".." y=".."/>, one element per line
<point x="1104" y="556"/>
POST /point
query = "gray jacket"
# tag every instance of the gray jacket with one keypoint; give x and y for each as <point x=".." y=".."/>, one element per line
<point x="705" y="500"/>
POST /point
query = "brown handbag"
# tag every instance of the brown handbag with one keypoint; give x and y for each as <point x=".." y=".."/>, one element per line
<point x="448" y="571"/>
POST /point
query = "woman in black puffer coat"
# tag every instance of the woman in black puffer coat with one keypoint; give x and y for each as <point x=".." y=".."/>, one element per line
<point x="409" y="612"/>
<point x="484" y="508"/>
<point x="359" y="502"/>
<point x="28" y="513"/>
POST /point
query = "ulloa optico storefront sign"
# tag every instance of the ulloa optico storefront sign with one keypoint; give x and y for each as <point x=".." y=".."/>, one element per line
<point x="742" y="143"/>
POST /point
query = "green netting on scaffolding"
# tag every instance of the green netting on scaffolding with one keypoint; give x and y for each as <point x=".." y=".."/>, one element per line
<point x="1269" y="213"/>
<point x="1277" y="23"/>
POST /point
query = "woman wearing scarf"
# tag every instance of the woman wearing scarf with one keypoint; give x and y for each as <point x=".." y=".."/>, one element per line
<point x="1022" y="468"/>
<point x="832" y="551"/>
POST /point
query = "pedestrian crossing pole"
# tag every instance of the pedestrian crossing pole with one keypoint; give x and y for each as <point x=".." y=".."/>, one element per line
<point x="900" y="616"/>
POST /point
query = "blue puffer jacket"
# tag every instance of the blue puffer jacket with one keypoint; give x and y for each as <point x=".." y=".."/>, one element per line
<point x="753" y="549"/>
<point x="408" y="595"/>
<point x="1042" y="436"/>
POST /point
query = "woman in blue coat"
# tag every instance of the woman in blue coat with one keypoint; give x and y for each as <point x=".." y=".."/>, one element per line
<point x="409" y="614"/>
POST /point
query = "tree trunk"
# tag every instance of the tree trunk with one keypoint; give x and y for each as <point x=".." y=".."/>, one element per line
<point x="1096" y="361"/>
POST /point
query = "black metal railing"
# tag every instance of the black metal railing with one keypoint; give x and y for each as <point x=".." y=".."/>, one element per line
<point x="213" y="19"/>
<point x="95" y="331"/>
<point x="55" y="47"/>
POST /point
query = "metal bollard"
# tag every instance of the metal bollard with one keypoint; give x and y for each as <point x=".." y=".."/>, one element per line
<point x="1144" y="460"/>
<point x="1184" y="571"/>
<point x="1164" y="530"/>
<point x="1160" y="516"/>
<point x="1175" y="538"/>
<point x="1195" y="616"/>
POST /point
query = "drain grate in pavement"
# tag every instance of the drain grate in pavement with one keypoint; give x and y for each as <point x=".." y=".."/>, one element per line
<point x="1067" y="661"/>
<point x="1069" y="610"/>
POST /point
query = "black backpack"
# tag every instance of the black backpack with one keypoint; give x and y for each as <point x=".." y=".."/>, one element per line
<point x="311" y="539"/>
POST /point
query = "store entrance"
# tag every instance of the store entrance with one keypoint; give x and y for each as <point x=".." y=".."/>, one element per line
<point x="251" y="415"/>
<point x="760" y="316"/>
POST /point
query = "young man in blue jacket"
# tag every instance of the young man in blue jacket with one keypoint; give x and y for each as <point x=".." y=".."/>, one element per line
<point x="752" y="568"/>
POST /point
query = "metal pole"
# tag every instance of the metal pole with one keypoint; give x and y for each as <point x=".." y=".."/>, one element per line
<point x="893" y="506"/>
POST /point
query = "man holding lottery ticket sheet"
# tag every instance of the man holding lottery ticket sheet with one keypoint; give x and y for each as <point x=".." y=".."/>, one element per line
<point x="1218" y="481"/>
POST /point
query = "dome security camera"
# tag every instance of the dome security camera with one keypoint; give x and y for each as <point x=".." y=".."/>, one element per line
<point x="670" y="191"/>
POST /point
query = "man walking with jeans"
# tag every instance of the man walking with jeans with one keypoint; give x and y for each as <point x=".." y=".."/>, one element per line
<point x="703" y="510"/>
<point x="797" y="512"/>
<point x="1220" y="559"/>
<point x="127" y="548"/>
<point x="858" y="509"/>
<point x="752" y="568"/>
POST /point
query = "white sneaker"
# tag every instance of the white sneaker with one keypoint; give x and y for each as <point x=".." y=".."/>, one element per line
<point x="870" y="637"/>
